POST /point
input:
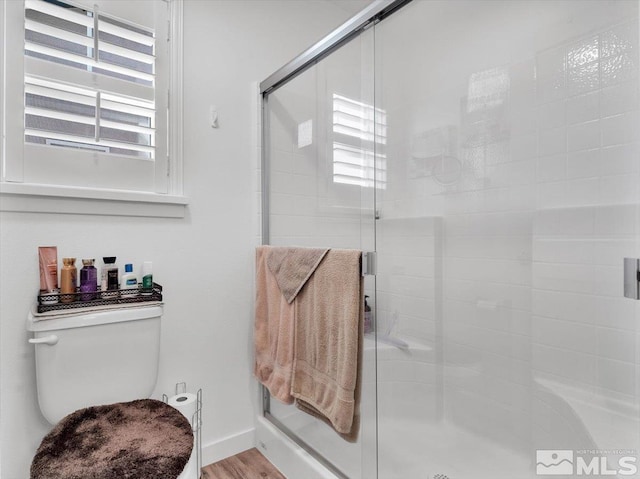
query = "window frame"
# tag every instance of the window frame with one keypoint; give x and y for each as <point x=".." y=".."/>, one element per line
<point x="16" y="194"/>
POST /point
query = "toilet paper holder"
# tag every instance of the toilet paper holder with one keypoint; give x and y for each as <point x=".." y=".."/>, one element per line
<point x="195" y="420"/>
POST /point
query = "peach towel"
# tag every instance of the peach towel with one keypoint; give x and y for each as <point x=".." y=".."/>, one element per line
<point x="328" y="342"/>
<point x="274" y="315"/>
<point x="292" y="267"/>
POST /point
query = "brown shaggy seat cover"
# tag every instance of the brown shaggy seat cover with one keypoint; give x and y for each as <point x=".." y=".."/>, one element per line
<point x="143" y="439"/>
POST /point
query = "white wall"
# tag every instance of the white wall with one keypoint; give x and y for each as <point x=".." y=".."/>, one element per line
<point x="204" y="261"/>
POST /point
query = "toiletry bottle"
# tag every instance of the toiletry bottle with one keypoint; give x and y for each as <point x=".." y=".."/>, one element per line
<point x="88" y="280"/>
<point x="49" y="291"/>
<point x="48" y="268"/>
<point x="147" y="278"/>
<point x="109" y="277"/>
<point x="106" y="260"/>
<point x="129" y="283"/>
<point x="368" y="320"/>
<point x="68" y="276"/>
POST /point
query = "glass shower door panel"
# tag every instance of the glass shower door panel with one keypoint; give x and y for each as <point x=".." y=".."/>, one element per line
<point x="506" y="348"/>
<point x="320" y="152"/>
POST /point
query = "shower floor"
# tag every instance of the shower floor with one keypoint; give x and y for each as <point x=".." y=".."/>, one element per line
<point x="444" y="451"/>
<point x="415" y="450"/>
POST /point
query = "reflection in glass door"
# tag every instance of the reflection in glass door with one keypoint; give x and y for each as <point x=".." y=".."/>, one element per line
<point x="506" y="348"/>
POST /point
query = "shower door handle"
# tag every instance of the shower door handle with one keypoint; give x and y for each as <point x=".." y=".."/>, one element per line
<point x="632" y="278"/>
<point x="369" y="263"/>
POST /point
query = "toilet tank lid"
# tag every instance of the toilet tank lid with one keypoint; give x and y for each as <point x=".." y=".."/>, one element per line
<point x="93" y="318"/>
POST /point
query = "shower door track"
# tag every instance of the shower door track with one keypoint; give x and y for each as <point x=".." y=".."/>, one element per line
<point x="301" y="443"/>
<point x="372" y="14"/>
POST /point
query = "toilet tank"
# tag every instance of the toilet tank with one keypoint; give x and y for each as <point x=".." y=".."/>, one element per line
<point x="88" y="359"/>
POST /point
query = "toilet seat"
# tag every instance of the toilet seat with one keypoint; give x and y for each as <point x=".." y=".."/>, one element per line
<point x="138" y="440"/>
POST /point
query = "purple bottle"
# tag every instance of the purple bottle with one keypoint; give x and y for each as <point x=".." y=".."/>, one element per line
<point x="88" y="280"/>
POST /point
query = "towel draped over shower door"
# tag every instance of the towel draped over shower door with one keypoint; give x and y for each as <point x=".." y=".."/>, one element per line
<point x="327" y="367"/>
<point x="280" y="273"/>
<point x="308" y="331"/>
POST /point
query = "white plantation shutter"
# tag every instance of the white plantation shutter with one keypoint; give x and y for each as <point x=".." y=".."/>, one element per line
<point x="87" y="119"/>
<point x="95" y="94"/>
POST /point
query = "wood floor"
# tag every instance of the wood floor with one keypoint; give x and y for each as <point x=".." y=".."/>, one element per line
<point x="246" y="465"/>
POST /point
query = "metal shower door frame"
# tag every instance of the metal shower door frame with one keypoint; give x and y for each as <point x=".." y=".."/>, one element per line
<point x="352" y="28"/>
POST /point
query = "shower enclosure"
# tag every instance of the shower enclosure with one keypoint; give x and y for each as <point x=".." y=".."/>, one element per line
<point x="487" y="154"/>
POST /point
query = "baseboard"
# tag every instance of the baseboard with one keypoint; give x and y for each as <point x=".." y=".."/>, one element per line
<point x="228" y="446"/>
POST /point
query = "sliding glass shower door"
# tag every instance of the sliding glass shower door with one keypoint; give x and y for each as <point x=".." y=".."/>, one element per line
<point x="507" y="202"/>
<point x="489" y="153"/>
<point x="320" y="147"/>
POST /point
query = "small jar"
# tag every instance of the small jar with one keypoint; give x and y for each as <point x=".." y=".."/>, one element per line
<point x="68" y="280"/>
<point x="51" y="297"/>
<point x="88" y="280"/>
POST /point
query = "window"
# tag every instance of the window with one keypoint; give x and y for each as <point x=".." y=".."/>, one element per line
<point x="359" y="132"/>
<point x="87" y="98"/>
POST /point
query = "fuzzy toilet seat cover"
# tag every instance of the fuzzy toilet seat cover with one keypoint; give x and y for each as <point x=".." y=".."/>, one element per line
<point x="132" y="440"/>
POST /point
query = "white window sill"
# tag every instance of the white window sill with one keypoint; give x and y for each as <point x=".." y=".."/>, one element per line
<point x="35" y="198"/>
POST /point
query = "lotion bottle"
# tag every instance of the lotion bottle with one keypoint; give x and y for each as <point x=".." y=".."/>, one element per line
<point x="109" y="274"/>
<point x="128" y="283"/>
<point x="147" y="278"/>
<point x="368" y="319"/>
<point x="88" y="280"/>
<point x="109" y="277"/>
<point x="68" y="280"/>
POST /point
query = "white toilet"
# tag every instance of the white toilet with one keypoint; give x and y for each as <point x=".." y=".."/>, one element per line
<point x="95" y="358"/>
